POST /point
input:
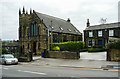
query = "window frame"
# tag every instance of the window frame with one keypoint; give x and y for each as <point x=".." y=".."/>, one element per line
<point x="90" y="34"/>
<point x="111" y="32"/>
<point x="100" y="33"/>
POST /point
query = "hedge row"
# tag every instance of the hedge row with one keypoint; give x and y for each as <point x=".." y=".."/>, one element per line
<point x="92" y="50"/>
<point x="96" y="49"/>
<point x="113" y="44"/>
<point x="74" y="46"/>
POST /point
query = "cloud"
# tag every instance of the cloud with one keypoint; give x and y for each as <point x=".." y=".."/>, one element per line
<point x="77" y="10"/>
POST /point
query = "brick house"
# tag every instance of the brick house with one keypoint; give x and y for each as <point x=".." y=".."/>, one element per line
<point x="98" y="35"/>
<point x="37" y="30"/>
<point x="11" y="47"/>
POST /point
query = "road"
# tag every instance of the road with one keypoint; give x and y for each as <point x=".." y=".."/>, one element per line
<point x="46" y="71"/>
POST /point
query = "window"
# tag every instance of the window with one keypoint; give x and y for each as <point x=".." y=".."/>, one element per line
<point x="36" y="30"/>
<point x="32" y="30"/>
<point x="20" y="33"/>
<point x="89" y="43"/>
<point x="90" y="34"/>
<point x="99" y="33"/>
<point x="39" y="46"/>
<point x="39" y="30"/>
<point x="28" y="45"/>
<point x="111" y="32"/>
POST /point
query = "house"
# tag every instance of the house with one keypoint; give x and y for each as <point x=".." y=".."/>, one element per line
<point x="11" y="46"/>
<point x="37" y="31"/>
<point x="99" y="35"/>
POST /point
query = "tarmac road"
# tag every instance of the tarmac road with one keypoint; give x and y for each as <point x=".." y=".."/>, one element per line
<point x="47" y="71"/>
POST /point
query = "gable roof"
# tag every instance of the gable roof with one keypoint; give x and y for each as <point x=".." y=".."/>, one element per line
<point x="104" y="26"/>
<point x="59" y="25"/>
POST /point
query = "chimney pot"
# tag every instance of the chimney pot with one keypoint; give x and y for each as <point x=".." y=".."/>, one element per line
<point x="68" y="20"/>
<point x="88" y="23"/>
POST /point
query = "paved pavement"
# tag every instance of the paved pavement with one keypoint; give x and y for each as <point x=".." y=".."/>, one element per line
<point x="82" y="63"/>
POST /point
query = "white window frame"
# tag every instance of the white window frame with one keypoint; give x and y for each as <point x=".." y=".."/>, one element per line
<point x="111" y="32"/>
<point x="90" y="34"/>
<point x="100" y="33"/>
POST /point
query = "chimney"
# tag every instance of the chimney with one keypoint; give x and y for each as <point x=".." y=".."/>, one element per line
<point x="88" y="23"/>
<point x="68" y="20"/>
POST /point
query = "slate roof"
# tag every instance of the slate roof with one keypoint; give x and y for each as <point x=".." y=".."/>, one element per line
<point x="104" y="26"/>
<point x="10" y="44"/>
<point x="59" y="25"/>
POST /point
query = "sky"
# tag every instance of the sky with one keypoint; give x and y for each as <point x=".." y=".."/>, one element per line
<point x="77" y="10"/>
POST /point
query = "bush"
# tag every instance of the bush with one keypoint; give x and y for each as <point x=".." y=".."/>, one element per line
<point x="113" y="44"/>
<point x="96" y="49"/>
<point x="73" y="46"/>
<point x="56" y="48"/>
<point x="4" y="51"/>
<point x="83" y="50"/>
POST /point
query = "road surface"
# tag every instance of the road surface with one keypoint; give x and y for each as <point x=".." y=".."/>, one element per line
<point x="46" y="71"/>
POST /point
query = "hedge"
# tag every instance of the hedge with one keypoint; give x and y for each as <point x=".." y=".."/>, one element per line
<point x="96" y="49"/>
<point x="113" y="44"/>
<point x="73" y="46"/>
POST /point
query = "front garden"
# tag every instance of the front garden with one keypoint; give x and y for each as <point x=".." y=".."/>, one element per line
<point x="75" y="46"/>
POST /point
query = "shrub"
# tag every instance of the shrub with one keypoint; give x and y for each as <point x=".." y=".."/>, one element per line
<point x="74" y="46"/>
<point x="83" y="50"/>
<point x="56" y="48"/>
<point x="4" y="51"/>
<point x="113" y="44"/>
<point x="96" y="49"/>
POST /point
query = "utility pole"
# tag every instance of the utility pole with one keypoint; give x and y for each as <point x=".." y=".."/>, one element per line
<point x="51" y="35"/>
<point x="48" y="40"/>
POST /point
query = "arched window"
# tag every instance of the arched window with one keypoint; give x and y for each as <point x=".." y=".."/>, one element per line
<point x="20" y="33"/>
<point x="36" y="29"/>
<point x="39" y="30"/>
<point x="39" y="46"/>
<point x="32" y="30"/>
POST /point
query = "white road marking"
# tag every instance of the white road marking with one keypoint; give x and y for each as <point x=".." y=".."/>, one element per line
<point x="32" y="72"/>
<point x="5" y="68"/>
<point x="8" y="66"/>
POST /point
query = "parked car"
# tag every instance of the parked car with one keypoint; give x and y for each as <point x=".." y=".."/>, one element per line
<point x="8" y="59"/>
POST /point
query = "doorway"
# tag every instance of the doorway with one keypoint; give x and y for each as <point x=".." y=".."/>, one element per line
<point x="34" y="48"/>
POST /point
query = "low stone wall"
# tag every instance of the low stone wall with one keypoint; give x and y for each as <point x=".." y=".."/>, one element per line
<point x="63" y="54"/>
<point x="113" y="55"/>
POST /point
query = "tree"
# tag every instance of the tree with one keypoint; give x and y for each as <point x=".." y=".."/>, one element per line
<point x="4" y="51"/>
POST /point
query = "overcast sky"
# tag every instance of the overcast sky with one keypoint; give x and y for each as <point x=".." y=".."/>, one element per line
<point x="77" y="10"/>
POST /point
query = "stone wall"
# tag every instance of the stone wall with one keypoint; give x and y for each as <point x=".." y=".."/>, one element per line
<point x="63" y="54"/>
<point x="113" y="55"/>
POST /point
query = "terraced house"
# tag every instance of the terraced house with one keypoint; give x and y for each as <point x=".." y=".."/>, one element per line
<point x="99" y="35"/>
<point x="37" y="30"/>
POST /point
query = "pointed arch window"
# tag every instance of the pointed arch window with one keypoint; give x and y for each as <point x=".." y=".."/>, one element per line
<point x="39" y="30"/>
<point x="36" y="29"/>
<point x="32" y="30"/>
